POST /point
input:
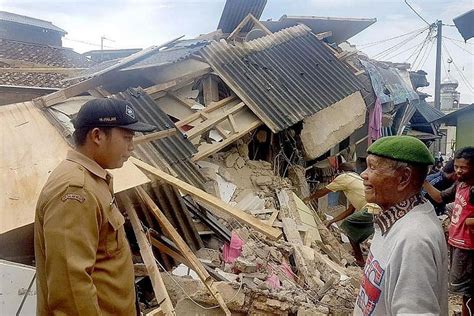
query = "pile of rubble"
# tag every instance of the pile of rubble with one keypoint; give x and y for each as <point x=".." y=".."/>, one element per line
<point x="310" y="272"/>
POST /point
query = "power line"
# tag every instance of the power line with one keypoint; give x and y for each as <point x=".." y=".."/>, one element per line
<point x="416" y="12"/>
<point x="428" y="55"/>
<point x="84" y="42"/>
<point x="464" y="79"/>
<point x="398" y="45"/>
<point x="423" y="46"/>
<point x="456" y="40"/>
<point x="454" y="43"/>
<point x="367" y="45"/>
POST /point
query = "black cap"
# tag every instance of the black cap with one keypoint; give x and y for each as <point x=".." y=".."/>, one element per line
<point x="110" y="113"/>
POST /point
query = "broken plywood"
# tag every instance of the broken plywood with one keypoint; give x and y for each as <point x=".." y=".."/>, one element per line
<point x="330" y="126"/>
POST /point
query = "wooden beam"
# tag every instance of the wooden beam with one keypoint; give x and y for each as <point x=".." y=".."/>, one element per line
<point x="260" y="25"/>
<point x="166" y="250"/>
<point x="213" y="121"/>
<point x="193" y="260"/>
<point x="272" y="218"/>
<point x="210" y="200"/>
<point x="323" y="35"/>
<point x="154" y="136"/>
<point x="241" y="25"/>
<point x="231" y="138"/>
<point x="161" y="294"/>
<point x="208" y="109"/>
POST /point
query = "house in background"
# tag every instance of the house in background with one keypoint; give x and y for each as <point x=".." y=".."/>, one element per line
<point x="32" y="60"/>
<point x="462" y="120"/>
<point x="27" y="29"/>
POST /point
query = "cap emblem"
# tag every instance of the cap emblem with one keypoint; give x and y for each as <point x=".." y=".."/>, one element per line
<point x="129" y="111"/>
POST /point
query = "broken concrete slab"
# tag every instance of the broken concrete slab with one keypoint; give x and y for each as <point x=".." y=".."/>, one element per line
<point x="328" y="127"/>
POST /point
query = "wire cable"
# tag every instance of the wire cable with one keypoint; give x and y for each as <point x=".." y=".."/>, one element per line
<point x="427" y="55"/>
<point x="416" y="12"/>
<point x="464" y="79"/>
<point x="454" y="43"/>
<point x="367" y="45"/>
<point x="424" y="45"/>
<point x="399" y="45"/>
<point x="456" y="40"/>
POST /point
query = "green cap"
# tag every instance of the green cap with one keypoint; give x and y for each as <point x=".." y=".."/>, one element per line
<point x="402" y="148"/>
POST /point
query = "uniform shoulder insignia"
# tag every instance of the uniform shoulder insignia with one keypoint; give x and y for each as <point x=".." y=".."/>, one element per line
<point x="73" y="196"/>
<point x="77" y="177"/>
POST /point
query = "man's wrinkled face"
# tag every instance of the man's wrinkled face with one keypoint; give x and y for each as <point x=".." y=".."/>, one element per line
<point x="463" y="169"/>
<point x="381" y="181"/>
<point x="116" y="148"/>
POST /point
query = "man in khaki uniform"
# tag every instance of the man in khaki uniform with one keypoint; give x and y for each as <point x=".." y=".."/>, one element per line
<point x="83" y="260"/>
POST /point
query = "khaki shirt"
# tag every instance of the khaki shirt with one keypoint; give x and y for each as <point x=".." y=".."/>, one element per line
<point x="83" y="260"/>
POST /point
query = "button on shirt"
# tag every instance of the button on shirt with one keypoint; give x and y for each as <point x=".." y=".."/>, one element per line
<point x="83" y="260"/>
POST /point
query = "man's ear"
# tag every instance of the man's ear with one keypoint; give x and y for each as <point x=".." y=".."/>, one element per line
<point x="96" y="135"/>
<point x="405" y="177"/>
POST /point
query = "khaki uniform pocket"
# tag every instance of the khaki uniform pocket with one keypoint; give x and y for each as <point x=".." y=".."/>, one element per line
<point x="115" y="231"/>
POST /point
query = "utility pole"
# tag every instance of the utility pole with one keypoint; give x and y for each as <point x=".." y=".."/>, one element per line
<point x="437" y="99"/>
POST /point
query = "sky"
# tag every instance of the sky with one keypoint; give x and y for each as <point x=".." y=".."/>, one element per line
<point x="143" y="23"/>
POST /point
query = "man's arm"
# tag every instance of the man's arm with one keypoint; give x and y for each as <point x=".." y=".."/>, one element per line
<point x="71" y="234"/>
<point x="470" y="222"/>
<point x="350" y="210"/>
<point x="317" y="194"/>
<point x="433" y="192"/>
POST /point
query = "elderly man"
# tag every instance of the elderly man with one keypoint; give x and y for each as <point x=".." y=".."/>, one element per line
<point x="83" y="260"/>
<point x="406" y="270"/>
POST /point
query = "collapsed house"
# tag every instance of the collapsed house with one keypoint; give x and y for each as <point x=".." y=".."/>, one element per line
<point x="250" y="119"/>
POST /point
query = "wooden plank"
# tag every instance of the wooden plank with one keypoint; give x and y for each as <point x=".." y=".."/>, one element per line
<point x="272" y="218"/>
<point x="323" y="35"/>
<point x="193" y="260"/>
<point x="154" y="136"/>
<point x="211" y="122"/>
<point x="240" y="26"/>
<point x="208" y="109"/>
<point x="220" y="145"/>
<point x="221" y="131"/>
<point x="291" y="232"/>
<point x="210" y="200"/>
<point x="166" y="250"/>
<point x="260" y="25"/>
<point x="232" y="123"/>
<point x="161" y="294"/>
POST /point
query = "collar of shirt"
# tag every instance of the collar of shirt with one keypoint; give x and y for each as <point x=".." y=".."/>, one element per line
<point x="90" y="165"/>
<point x="386" y="219"/>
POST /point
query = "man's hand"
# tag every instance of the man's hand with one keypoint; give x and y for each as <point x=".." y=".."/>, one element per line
<point x="328" y="223"/>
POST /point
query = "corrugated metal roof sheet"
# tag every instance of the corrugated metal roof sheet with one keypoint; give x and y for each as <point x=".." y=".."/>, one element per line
<point x="429" y="113"/>
<point x="283" y="77"/>
<point x="12" y="17"/>
<point x="181" y="50"/>
<point x="236" y="10"/>
<point x="176" y="150"/>
<point x="342" y="28"/>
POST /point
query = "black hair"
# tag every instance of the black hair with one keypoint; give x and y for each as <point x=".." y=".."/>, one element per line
<point x="80" y="134"/>
<point x="420" y="173"/>
<point x="465" y="153"/>
<point x="347" y="166"/>
<point x="449" y="167"/>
